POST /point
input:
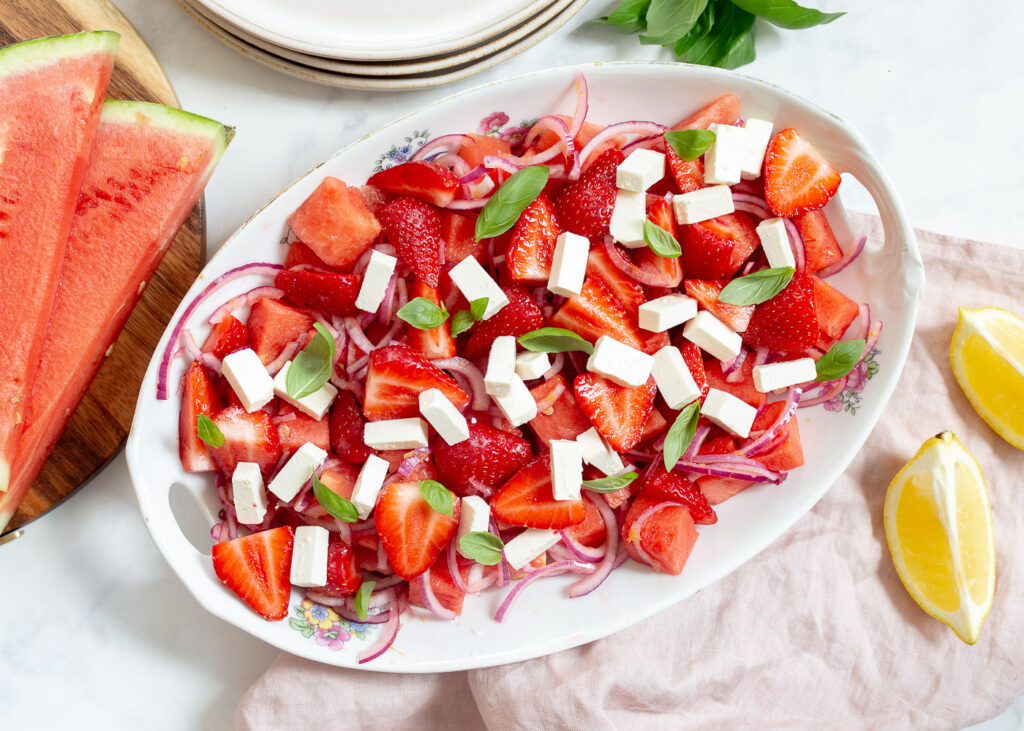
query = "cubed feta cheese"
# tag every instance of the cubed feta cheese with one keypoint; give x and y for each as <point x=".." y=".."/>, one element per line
<point x="724" y="159"/>
<point x="296" y="471"/>
<point x="443" y="416"/>
<point x="732" y="414"/>
<point x="782" y="375"/>
<point x="620" y="363"/>
<point x="368" y="485"/>
<point x="701" y="205"/>
<point x="566" y="469"/>
<point x="529" y="544"/>
<point x="708" y="332"/>
<point x="501" y="366"/>
<point x="474" y="517"/>
<point x="475" y="283"/>
<point x="530" y="365"/>
<point x="640" y="170"/>
<point x="757" y="134"/>
<point x="410" y="433"/>
<point x="675" y="382"/>
<point x="250" y="496"/>
<point x="597" y="452"/>
<point x="309" y="556"/>
<point x="375" y="281"/>
<point x="658" y="315"/>
<point x="247" y="377"/>
<point x="519" y="406"/>
<point x="775" y="242"/>
<point x="628" y="216"/>
<point x="569" y="264"/>
<point x="314" y="404"/>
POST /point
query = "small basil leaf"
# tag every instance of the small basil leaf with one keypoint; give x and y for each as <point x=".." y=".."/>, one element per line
<point x="629" y="17"/>
<point x="510" y="200"/>
<point x="680" y="434"/>
<point x="311" y="368"/>
<point x="610" y="484"/>
<point x="786" y="13"/>
<point x="756" y="288"/>
<point x="461" y="322"/>
<point x="660" y="241"/>
<point x="839" y="360"/>
<point x="438" y="497"/>
<point x="478" y="307"/>
<point x="333" y="503"/>
<point x="554" y="340"/>
<point x="423" y="314"/>
<point x="690" y="144"/>
<point x="208" y="432"/>
<point x="362" y="600"/>
<point x="670" y="20"/>
<point x="483" y="547"/>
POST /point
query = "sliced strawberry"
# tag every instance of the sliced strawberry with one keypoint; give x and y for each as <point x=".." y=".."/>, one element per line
<point x="820" y="245"/>
<point x="519" y="316"/>
<point x="227" y="336"/>
<point x="618" y="412"/>
<point x="413" y="533"/>
<point x="594" y="312"/>
<point x="335" y="223"/>
<point x="257" y="568"/>
<point x="664" y="485"/>
<point x="442" y="585"/>
<point x="695" y="362"/>
<point x="788" y="322"/>
<point x="478" y="465"/>
<point x="526" y="499"/>
<point x="797" y="178"/>
<point x="743" y="388"/>
<point x="836" y="312"/>
<point x="591" y="532"/>
<point x="788" y="454"/>
<point x="532" y="246"/>
<point x="665" y="537"/>
<point x="563" y="418"/>
<point x="292" y="433"/>
<point x="272" y="325"/>
<point x="737" y="317"/>
<point x="375" y="197"/>
<point x="396" y="377"/>
<point x="458" y="230"/>
<point x="687" y="174"/>
<point x="627" y="290"/>
<point x="414" y="229"/>
<point x="723" y="110"/>
<point x="328" y="291"/>
<point x="667" y="270"/>
<point x="436" y="342"/>
<point x="343" y="575"/>
<point x="299" y="254"/>
<point x="717" y="248"/>
<point x="420" y="179"/>
<point x="346" y="429"/>
<point x="199" y="396"/>
<point x="585" y="205"/>
<point x="247" y="438"/>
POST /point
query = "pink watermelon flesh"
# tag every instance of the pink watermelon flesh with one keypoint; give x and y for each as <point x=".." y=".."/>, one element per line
<point x="51" y="91"/>
<point x="148" y="168"/>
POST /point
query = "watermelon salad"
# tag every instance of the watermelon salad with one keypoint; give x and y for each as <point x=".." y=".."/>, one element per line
<point x="495" y="362"/>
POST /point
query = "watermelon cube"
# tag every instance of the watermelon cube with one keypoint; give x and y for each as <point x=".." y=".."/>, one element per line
<point x="667" y="536"/>
<point x="335" y="223"/>
<point x="819" y="240"/>
<point x="836" y="312"/>
<point x="272" y="325"/>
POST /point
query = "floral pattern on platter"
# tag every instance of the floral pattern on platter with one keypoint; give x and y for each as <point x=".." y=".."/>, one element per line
<point x="399" y="153"/>
<point x="849" y="399"/>
<point x="324" y="625"/>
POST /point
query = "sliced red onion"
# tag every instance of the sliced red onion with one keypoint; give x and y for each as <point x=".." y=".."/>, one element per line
<point x="755" y="445"/>
<point x="430" y="601"/>
<point x="733" y="370"/>
<point x="481" y="400"/>
<point x="188" y="342"/>
<point x="211" y="361"/>
<point x="244" y="299"/>
<point x="388" y="306"/>
<point x="833" y="269"/>
<point x="387" y="636"/>
<point x="388" y="581"/>
<point x="722" y="466"/>
<point x="553" y="569"/>
<point x="455" y="163"/>
<point x="557" y="363"/>
<point x="502" y="162"/>
<point x="353" y="616"/>
<point x="579" y="115"/>
<point x="578" y="550"/>
<point x="450" y="143"/>
<point x="357" y="389"/>
<point x="285" y="355"/>
<point x="478" y="580"/>
<point x="551" y="398"/>
<point x="608" y="562"/>
<point x="646" y="143"/>
<point x="285" y="418"/>
<point x="760" y="356"/>
<point x="327" y="601"/>
<point x="640" y="129"/>
<point x="467" y="205"/>
<point x="453" y="568"/>
<point x="697" y="442"/>
<point x="756" y="206"/>
<point x="473" y="175"/>
<point x="829" y="391"/>
<point x="560" y="128"/>
<point x="799" y="248"/>
<point x="357" y="336"/>
<point x="413" y="459"/>
<point x="631" y="270"/>
<point x="382" y="558"/>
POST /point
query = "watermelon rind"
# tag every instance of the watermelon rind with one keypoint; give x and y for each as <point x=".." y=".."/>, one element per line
<point x="119" y="111"/>
<point x="18" y="57"/>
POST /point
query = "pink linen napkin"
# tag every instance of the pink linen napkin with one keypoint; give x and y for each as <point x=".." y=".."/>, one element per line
<point x="815" y="632"/>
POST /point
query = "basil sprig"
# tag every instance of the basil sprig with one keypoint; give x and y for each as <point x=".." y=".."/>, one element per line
<point x="554" y="340"/>
<point x="510" y="200"/>
<point x="839" y="360"/>
<point x="312" y="366"/>
<point x="610" y="484"/>
<point x="438" y="497"/>
<point x="463" y="319"/>
<point x="362" y="599"/>
<point x="660" y="241"/>
<point x="341" y="508"/>
<point x="689" y="144"/>
<point x="758" y="287"/>
<point x="483" y="547"/>
<point x="423" y="314"/>
<point x="208" y="432"/>
<point x="680" y="434"/>
<point x="786" y="13"/>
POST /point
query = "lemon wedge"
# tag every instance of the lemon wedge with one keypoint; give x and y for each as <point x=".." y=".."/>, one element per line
<point x="987" y="355"/>
<point x="939" y="528"/>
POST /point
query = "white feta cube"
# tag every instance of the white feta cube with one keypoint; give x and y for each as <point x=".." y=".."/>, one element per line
<point x="501" y="366"/>
<point x="475" y="283"/>
<point x="314" y="404"/>
<point x="566" y="469"/>
<point x="249" y="494"/>
<point x="732" y="414"/>
<point x="569" y="264"/>
<point x="530" y="365"/>
<point x="628" y="216"/>
<point x="248" y="378"/>
<point x="675" y="382"/>
<point x="375" y="281"/>
<point x="529" y="544"/>
<point x="368" y="485"/>
<point x="757" y="134"/>
<point x="519" y="406"/>
<point x="296" y="471"/>
<point x="309" y="556"/>
<point x="773" y="376"/>
<point x="474" y="517"/>
<point x="704" y="204"/>
<point x="658" y="315"/>
<point x="641" y="170"/>
<point x="775" y="242"/>
<point x="410" y="433"/>
<point x="443" y="416"/>
<point x="597" y="452"/>
<point x="724" y="159"/>
<point x="620" y="363"/>
<point x="708" y="332"/>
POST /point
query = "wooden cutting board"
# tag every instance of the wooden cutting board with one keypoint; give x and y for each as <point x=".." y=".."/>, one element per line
<point x="100" y="425"/>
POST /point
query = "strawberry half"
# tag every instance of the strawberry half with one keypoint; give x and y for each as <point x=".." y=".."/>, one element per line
<point x="327" y="291"/>
<point x="257" y="568"/>
<point x="199" y="396"/>
<point x="526" y="500"/>
<point x="628" y="291"/>
<point x="668" y="271"/>
<point x="519" y="316"/>
<point x="458" y="230"/>
<point x="413" y="533"/>
<point x="436" y="342"/>
<point x="695" y="362"/>
<point x="478" y="465"/>
<point x="585" y="205"/>
<point x="618" y="412"/>
<point x="687" y="174"/>
<point x="420" y="179"/>
<point x="346" y="429"/>
<point x="247" y="438"/>
<point x="594" y="312"/>
<point x="395" y="379"/>
<point x="716" y="248"/>
<point x="737" y="317"/>
<point x="343" y="575"/>
<point x="672" y="486"/>
<point x="788" y="322"/>
<point x="227" y="336"/>
<point x="414" y="228"/>
<point x="797" y="178"/>
<point x="532" y="245"/>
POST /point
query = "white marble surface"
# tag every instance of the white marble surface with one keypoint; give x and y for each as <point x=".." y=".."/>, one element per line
<point x="96" y="631"/>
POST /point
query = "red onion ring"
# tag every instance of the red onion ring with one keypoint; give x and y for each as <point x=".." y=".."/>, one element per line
<point x="699" y="436"/>
<point x="188" y="342"/>
<point x="755" y="445"/>
<point x="833" y="269"/>
<point x="466" y="368"/>
<point x="550" y="399"/>
<point x="733" y="370"/>
<point x="829" y="391"/>
<point x="631" y="270"/>
<point x="641" y="129"/>
<point x="212" y="362"/>
<point x="247" y="298"/>
<point x="608" y="562"/>
<point x="445" y="141"/>
<point x="502" y="162"/>
<point x="642" y="143"/>
<point x="274" y="366"/>
<point x="557" y="363"/>
<point x="430" y="601"/>
<point x="387" y="637"/>
<point x="473" y="175"/>
<point x="579" y="115"/>
<point x="358" y="390"/>
<point x="553" y="569"/>
<point x="413" y="460"/>
<point x="723" y="466"/>
<point x="353" y="616"/>
<point x="453" y="568"/>
<point x="560" y="128"/>
<point x="577" y="550"/>
<point x="357" y="336"/>
<point x="467" y="205"/>
<point x="756" y="206"/>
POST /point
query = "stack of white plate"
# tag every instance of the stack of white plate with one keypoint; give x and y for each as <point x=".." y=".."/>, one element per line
<point x="381" y="44"/>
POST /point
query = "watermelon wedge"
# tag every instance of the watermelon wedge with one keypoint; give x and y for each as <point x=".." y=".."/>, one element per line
<point x="148" y="168"/>
<point x="51" y="91"/>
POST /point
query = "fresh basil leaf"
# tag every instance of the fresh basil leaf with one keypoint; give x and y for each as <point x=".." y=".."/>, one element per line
<point x="680" y="434"/>
<point x="209" y="432"/>
<point x="699" y="30"/>
<point x="731" y="23"/>
<point x="438" y="496"/>
<point x="510" y="200"/>
<point x="554" y="340"/>
<point x="786" y="13"/>
<point x="461" y="322"/>
<point x="483" y="547"/>
<point x="629" y="17"/>
<point x="670" y="20"/>
<point x="333" y="503"/>
<point x="660" y="241"/>
<point x="755" y="288"/>
<point x="610" y="484"/>
<point x="477" y="308"/>
<point x="311" y="368"/>
<point x="362" y="600"/>
<point x="423" y="314"/>
<point x="839" y="360"/>
<point x="690" y="144"/>
<point x="739" y="50"/>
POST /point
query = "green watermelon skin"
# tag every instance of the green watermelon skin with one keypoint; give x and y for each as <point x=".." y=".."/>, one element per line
<point x="148" y="169"/>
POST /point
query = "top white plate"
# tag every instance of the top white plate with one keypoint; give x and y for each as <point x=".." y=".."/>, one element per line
<point x="374" y="31"/>
<point x="889" y="276"/>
